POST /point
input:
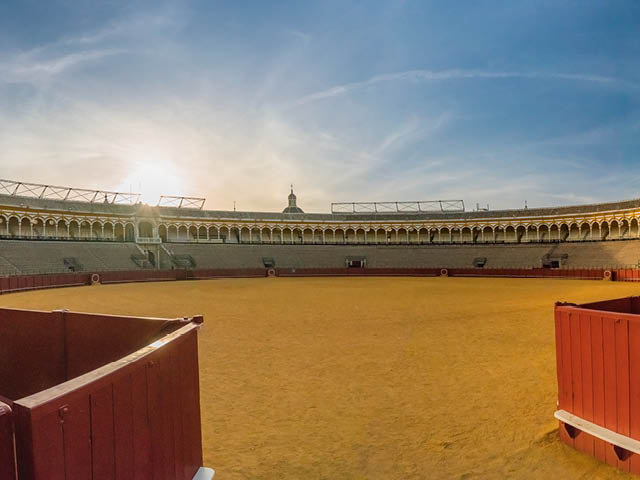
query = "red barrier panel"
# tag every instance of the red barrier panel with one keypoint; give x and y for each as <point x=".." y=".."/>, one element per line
<point x="138" y="417"/>
<point x="7" y="454"/>
<point x="598" y="365"/>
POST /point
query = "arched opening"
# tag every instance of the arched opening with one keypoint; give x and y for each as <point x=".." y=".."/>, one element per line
<point x="329" y="235"/>
<point x="25" y="227"/>
<point x="521" y="234"/>
<point x="74" y="229"/>
<point x="38" y="228"/>
<point x="360" y="237"/>
<point x="243" y="235"/>
<point x="499" y="234"/>
<point x="276" y="235"/>
<point x="596" y="234"/>
<point x="402" y="236"/>
<point x="298" y="236"/>
<point x="487" y="235"/>
<point x="444" y="235"/>
<point x="544" y="235"/>
<point x="265" y="235"/>
<point x="13" y="227"/>
<point x="350" y="234"/>
<point x="604" y="231"/>
<point x="307" y="235"/>
<point x="223" y="233"/>
<point x="585" y="232"/>
<point x="85" y="230"/>
<point x="96" y="230"/>
<point x="339" y="236"/>
<point x="203" y="232"/>
<point x="633" y="228"/>
<point x="193" y="233"/>
<point x="614" y="230"/>
<point x="108" y="231"/>
<point x="531" y="234"/>
<point x="370" y="235"/>
<point x="129" y="232"/>
<point x="163" y="233"/>
<point x="466" y="235"/>
<point x="564" y="232"/>
<point x="574" y="232"/>
<point x="254" y="235"/>
<point x="510" y="234"/>
<point x="624" y="228"/>
<point x="287" y="235"/>
<point x="62" y="229"/>
<point x="119" y="232"/>
<point x="213" y="233"/>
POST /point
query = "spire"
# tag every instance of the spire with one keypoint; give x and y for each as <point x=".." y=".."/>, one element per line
<point x="292" y="206"/>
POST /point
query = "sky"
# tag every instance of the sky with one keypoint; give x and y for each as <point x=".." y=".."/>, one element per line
<point x="491" y="102"/>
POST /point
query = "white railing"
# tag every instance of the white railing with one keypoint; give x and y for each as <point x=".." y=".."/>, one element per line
<point x="147" y="240"/>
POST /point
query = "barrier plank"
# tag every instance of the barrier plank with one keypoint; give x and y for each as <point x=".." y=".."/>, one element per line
<point x="7" y="454"/>
<point x="123" y="428"/>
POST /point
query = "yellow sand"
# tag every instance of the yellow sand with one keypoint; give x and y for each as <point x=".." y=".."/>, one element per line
<point x="369" y="378"/>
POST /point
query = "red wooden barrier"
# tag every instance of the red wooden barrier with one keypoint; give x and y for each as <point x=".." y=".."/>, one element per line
<point x="89" y="416"/>
<point x="7" y="454"/>
<point x="598" y="365"/>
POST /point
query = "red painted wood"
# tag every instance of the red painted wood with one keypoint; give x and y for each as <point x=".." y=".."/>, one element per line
<point x="141" y="427"/>
<point x="610" y="387"/>
<point x="597" y="372"/>
<point x="566" y="402"/>
<point x="160" y="445"/>
<point x="191" y="407"/>
<point x="176" y="410"/>
<point x="622" y="382"/>
<point x="7" y="453"/>
<point x="586" y="441"/>
<point x="123" y="428"/>
<point x="47" y="449"/>
<point x="77" y="440"/>
<point x="102" y="434"/>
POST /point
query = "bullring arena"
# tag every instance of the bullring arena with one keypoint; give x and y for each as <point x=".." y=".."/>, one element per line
<point x="416" y="344"/>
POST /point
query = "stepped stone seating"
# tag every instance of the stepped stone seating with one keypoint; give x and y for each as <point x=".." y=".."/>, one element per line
<point x="48" y="257"/>
<point x="6" y="268"/>
<point x="22" y="256"/>
<point x="333" y="256"/>
<point x="612" y="254"/>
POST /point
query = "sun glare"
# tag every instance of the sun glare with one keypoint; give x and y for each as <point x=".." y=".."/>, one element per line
<point x="152" y="176"/>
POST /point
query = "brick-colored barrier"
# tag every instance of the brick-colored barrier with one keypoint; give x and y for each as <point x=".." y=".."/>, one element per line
<point x="111" y="397"/>
<point x="598" y="365"/>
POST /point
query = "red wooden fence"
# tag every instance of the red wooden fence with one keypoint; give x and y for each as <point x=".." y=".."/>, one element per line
<point x="7" y="459"/>
<point x="598" y="364"/>
<point x="111" y="397"/>
<point x="34" y="282"/>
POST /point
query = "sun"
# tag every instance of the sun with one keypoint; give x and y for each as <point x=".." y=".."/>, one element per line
<point x="154" y="174"/>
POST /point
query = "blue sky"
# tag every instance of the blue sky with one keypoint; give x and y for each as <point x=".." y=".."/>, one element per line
<point x="486" y="101"/>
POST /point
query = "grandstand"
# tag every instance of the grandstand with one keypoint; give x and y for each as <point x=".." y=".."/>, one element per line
<point x="41" y="234"/>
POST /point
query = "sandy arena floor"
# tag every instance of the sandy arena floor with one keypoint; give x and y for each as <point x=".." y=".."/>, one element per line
<point x="369" y="378"/>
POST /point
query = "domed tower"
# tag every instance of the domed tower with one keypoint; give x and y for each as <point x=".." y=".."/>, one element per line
<point x="292" y="207"/>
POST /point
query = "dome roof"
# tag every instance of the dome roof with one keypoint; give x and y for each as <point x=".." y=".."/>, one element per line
<point x="292" y="207"/>
<point x="293" y="210"/>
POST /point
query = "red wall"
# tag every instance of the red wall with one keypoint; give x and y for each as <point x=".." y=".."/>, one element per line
<point x="598" y="365"/>
<point x="136" y="418"/>
<point x="7" y="462"/>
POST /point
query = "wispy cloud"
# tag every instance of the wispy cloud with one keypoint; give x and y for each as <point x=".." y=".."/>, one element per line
<point x="28" y="68"/>
<point x="417" y="76"/>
